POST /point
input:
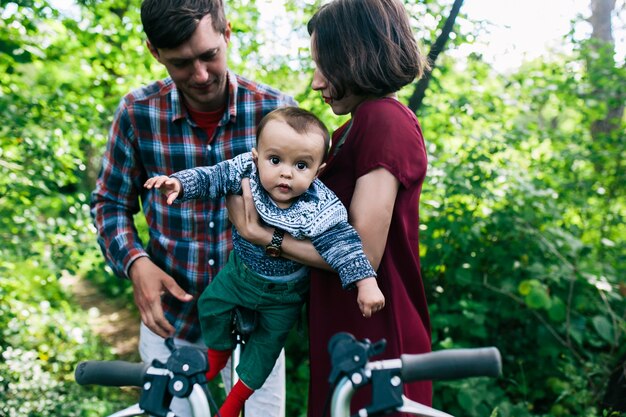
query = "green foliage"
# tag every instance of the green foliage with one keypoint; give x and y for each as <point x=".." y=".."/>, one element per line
<point x="297" y="369"/>
<point x="522" y="228"/>
<point x="519" y="248"/>
<point x="43" y="335"/>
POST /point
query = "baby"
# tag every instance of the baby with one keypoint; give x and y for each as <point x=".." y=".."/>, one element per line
<point x="283" y="170"/>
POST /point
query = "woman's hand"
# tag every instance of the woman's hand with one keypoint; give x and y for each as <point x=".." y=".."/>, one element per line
<point x="370" y="297"/>
<point x="242" y="213"/>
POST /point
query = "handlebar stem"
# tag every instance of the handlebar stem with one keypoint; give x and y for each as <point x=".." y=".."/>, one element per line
<point x="155" y="397"/>
<point x="386" y="390"/>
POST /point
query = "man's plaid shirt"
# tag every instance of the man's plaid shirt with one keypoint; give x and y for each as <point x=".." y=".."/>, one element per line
<point x="153" y="134"/>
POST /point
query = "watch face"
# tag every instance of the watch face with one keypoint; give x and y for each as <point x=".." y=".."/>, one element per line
<point x="273" y="251"/>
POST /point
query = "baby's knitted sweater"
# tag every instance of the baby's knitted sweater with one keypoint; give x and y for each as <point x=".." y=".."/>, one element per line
<point x="317" y="215"/>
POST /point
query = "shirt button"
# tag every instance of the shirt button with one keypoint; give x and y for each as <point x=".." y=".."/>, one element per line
<point x="208" y="147"/>
<point x="211" y="262"/>
<point x="211" y="225"/>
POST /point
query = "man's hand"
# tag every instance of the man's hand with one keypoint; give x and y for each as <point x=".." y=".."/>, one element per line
<point x="169" y="187"/>
<point x="242" y="213"/>
<point x="370" y="297"/>
<point x="149" y="283"/>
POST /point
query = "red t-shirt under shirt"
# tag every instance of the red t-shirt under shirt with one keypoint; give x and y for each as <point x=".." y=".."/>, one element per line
<point x="207" y="120"/>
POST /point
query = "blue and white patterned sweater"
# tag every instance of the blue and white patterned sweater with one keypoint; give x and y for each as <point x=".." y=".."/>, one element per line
<point x="317" y="214"/>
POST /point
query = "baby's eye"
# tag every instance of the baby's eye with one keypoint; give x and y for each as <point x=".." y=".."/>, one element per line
<point x="301" y="165"/>
<point x="274" y="160"/>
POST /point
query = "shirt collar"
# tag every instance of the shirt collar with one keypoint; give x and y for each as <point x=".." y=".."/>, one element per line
<point x="233" y="87"/>
<point x="179" y="111"/>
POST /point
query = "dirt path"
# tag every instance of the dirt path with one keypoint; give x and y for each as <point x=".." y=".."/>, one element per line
<point x="111" y="319"/>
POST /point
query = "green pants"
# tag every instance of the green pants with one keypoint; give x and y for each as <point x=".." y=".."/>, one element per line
<point x="278" y="306"/>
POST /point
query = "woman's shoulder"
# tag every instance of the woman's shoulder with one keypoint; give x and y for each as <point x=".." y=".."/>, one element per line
<point x="386" y="115"/>
<point x="383" y="105"/>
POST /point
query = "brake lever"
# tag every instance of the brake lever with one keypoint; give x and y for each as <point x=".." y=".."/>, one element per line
<point x="133" y="410"/>
<point x="421" y="410"/>
<point x="349" y="356"/>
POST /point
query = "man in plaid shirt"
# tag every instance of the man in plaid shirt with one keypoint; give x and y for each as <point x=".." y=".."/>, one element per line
<point x="200" y="115"/>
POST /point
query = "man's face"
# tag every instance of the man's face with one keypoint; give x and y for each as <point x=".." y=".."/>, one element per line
<point x="198" y="66"/>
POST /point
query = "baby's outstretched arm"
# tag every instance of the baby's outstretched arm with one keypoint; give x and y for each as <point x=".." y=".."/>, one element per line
<point x="169" y="187"/>
<point x="370" y="297"/>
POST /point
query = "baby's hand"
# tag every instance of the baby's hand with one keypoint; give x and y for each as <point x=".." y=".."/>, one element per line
<point x="370" y="298"/>
<point x="169" y="187"/>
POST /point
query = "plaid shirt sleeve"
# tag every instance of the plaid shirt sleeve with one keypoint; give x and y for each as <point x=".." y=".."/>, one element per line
<point x="115" y="199"/>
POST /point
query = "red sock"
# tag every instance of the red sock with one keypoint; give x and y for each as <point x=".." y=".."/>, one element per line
<point x="235" y="400"/>
<point x="217" y="362"/>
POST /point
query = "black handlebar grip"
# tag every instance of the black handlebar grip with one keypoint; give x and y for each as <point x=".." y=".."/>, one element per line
<point x="451" y="364"/>
<point x="111" y="373"/>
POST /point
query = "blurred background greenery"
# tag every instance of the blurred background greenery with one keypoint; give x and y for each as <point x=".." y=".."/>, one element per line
<point x="522" y="215"/>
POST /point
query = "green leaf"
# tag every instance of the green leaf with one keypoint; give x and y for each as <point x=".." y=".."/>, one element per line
<point x="526" y="286"/>
<point x="467" y="400"/>
<point x="538" y="298"/>
<point x="604" y="327"/>
<point x="557" y="310"/>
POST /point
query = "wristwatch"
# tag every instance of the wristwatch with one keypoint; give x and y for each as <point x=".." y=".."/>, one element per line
<point x="273" y="248"/>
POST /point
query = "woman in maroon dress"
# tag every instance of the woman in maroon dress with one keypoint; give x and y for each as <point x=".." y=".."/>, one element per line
<point x="364" y="52"/>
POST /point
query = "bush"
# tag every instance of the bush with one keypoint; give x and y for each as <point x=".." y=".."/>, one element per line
<point x="42" y="338"/>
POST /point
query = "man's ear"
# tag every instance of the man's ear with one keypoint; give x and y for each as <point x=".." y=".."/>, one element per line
<point x="319" y="169"/>
<point x="154" y="51"/>
<point x="227" y="33"/>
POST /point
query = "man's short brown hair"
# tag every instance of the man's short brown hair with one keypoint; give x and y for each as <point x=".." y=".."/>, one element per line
<point x="170" y="23"/>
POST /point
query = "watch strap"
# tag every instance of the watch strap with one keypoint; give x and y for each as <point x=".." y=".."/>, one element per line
<point x="273" y="249"/>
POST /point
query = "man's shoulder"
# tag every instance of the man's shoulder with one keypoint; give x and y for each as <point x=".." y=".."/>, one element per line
<point x="156" y="90"/>
<point x="260" y="91"/>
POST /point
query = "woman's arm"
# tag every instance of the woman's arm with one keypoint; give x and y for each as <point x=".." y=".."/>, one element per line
<point x="370" y="214"/>
<point x="242" y="213"/>
<point x="371" y="210"/>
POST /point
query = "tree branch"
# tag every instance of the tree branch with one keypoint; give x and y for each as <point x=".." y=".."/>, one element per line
<point x="422" y="85"/>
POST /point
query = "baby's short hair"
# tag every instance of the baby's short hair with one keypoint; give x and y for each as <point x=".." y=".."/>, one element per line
<point x="298" y="119"/>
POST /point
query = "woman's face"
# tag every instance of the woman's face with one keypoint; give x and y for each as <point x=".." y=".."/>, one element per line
<point x="320" y="83"/>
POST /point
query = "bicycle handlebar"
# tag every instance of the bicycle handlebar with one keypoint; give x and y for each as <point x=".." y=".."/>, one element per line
<point x="111" y="373"/>
<point x="352" y="369"/>
<point x="451" y="364"/>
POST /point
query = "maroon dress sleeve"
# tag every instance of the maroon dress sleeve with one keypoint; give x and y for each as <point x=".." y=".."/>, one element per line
<point x="388" y="135"/>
